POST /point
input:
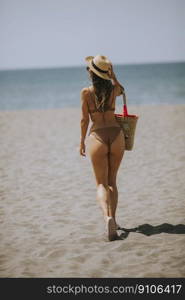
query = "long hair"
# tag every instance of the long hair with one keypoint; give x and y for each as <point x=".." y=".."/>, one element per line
<point x="103" y="89"/>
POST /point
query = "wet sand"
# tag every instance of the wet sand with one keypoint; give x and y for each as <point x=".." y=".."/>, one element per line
<point x="50" y="222"/>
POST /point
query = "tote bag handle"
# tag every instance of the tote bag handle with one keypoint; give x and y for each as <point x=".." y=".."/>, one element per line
<point x="125" y="111"/>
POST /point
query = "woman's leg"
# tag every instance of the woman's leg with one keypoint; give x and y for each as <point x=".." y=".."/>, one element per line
<point x="98" y="152"/>
<point x="113" y="199"/>
<point x="117" y="149"/>
<point x="103" y="197"/>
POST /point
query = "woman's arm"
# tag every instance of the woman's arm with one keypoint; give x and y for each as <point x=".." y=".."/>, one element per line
<point x="119" y="88"/>
<point x="84" y="123"/>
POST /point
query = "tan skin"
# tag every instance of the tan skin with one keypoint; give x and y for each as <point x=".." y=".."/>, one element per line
<point x="105" y="166"/>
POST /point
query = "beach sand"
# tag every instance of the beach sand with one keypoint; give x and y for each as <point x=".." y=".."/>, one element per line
<point x="50" y="222"/>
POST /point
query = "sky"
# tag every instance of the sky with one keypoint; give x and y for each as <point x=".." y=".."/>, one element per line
<point x="57" y="33"/>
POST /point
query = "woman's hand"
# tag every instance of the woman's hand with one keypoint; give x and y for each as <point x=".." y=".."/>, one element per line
<point x="82" y="149"/>
<point x="111" y="73"/>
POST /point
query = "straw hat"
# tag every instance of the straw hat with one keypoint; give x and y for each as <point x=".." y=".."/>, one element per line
<point x="100" y="65"/>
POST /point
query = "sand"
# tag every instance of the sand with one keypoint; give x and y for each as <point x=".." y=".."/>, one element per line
<point x="50" y="222"/>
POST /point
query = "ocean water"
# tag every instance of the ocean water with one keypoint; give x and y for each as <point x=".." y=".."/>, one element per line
<point x="162" y="83"/>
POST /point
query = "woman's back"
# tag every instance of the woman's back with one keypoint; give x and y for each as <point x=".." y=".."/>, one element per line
<point x="101" y="119"/>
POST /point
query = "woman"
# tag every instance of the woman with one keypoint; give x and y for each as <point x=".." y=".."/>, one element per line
<point x="106" y="142"/>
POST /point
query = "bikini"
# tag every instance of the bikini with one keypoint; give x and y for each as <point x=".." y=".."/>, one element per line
<point x="105" y="135"/>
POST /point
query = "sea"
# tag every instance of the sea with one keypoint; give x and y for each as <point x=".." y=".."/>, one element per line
<point x="48" y="88"/>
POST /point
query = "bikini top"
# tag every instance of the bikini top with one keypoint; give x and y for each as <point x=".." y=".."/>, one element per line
<point x="96" y="109"/>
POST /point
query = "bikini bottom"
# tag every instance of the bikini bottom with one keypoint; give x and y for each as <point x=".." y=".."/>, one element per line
<point x="106" y="135"/>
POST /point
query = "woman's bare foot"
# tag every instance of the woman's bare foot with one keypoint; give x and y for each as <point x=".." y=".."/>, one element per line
<point x="111" y="229"/>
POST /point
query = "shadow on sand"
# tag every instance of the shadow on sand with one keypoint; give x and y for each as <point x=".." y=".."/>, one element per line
<point x="148" y="229"/>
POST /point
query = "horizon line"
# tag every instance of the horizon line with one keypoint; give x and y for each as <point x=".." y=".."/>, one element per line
<point x="82" y="65"/>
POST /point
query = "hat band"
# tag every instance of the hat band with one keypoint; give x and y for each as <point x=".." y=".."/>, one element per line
<point x="98" y="69"/>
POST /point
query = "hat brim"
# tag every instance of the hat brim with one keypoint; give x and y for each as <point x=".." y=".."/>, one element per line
<point x="102" y="75"/>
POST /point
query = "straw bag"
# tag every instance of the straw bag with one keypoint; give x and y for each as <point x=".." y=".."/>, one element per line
<point x="128" y="124"/>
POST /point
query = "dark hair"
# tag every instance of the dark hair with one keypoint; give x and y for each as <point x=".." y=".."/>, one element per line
<point x="103" y="89"/>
